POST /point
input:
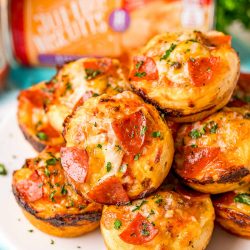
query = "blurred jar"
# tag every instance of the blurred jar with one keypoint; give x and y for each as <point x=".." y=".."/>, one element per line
<point x="233" y="17"/>
<point x="51" y="32"/>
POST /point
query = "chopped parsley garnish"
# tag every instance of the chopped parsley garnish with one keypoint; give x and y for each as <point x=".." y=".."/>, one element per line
<point x="143" y="130"/>
<point x="117" y="224"/>
<point x="192" y="59"/>
<point x="152" y="212"/>
<point x="47" y="172"/>
<point x="99" y="145"/>
<point x="137" y="156"/>
<point x="51" y="196"/>
<point x="81" y="207"/>
<point x="158" y="198"/>
<point x="108" y="166"/>
<point x="137" y="207"/>
<point x="195" y="133"/>
<point x="52" y="242"/>
<point x="193" y="40"/>
<point x="3" y="170"/>
<point x="63" y="190"/>
<point x="247" y="98"/>
<point x="168" y="52"/>
<point x="51" y="161"/>
<point x="68" y="86"/>
<point x="42" y="136"/>
<point x="31" y="231"/>
<point x="139" y="64"/>
<point x="243" y="198"/>
<point x="175" y="65"/>
<point x="194" y="145"/>
<point x="118" y="147"/>
<point x="246" y="116"/>
<point x="40" y="185"/>
<point x="91" y="73"/>
<point x="123" y="168"/>
<point x="140" y="74"/>
<point x="214" y="127"/>
<point x="95" y="95"/>
<point x="156" y="134"/>
<point x="145" y="231"/>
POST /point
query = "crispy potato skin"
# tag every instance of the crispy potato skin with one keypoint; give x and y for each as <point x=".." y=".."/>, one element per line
<point x="232" y="215"/>
<point x="65" y="214"/>
<point x="90" y="125"/>
<point x="182" y="221"/>
<point x="213" y="155"/>
<point x="72" y="83"/>
<point x="33" y="119"/>
<point x="173" y="91"/>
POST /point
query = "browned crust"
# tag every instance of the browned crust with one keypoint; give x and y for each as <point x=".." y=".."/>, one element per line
<point x="241" y="219"/>
<point x="233" y="175"/>
<point x="59" y="220"/>
<point x="35" y="142"/>
<point x="171" y="113"/>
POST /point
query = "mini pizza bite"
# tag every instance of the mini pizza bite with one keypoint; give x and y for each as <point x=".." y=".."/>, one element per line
<point x="233" y="211"/>
<point x="118" y="148"/>
<point x="49" y="202"/>
<point x="187" y="75"/>
<point x="169" y="219"/>
<point x="213" y="155"/>
<point x="32" y="118"/>
<point x="80" y="80"/>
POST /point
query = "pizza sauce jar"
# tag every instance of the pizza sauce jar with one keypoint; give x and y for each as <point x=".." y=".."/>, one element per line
<point x="51" y="32"/>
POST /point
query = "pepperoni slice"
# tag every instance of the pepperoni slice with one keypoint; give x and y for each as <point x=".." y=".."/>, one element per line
<point x="109" y="192"/>
<point x="75" y="163"/>
<point x="197" y="159"/>
<point x="201" y="70"/>
<point x="130" y="130"/>
<point x="144" y="69"/>
<point x="31" y="188"/>
<point x="36" y="97"/>
<point x="139" y="231"/>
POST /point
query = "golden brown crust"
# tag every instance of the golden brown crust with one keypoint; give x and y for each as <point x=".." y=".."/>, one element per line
<point x="182" y="221"/>
<point x="172" y="89"/>
<point x="213" y="155"/>
<point x="49" y="202"/>
<point x="233" y="213"/>
<point x="92" y="127"/>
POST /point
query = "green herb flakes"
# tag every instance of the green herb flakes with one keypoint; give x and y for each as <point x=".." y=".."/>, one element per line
<point x="3" y="170"/>
<point x="137" y="207"/>
<point x="140" y="74"/>
<point x="108" y="166"/>
<point x="243" y="198"/>
<point x="117" y="224"/>
<point x="42" y="136"/>
<point x="168" y="52"/>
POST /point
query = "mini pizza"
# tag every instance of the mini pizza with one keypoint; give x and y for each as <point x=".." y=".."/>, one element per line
<point x="187" y="75"/>
<point x="213" y="155"/>
<point x="118" y="148"/>
<point x="49" y="202"/>
<point x="233" y="211"/>
<point x="80" y="80"/>
<point x="169" y="219"/>
<point x="32" y="118"/>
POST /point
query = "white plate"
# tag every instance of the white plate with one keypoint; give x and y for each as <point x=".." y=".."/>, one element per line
<point x="14" y="228"/>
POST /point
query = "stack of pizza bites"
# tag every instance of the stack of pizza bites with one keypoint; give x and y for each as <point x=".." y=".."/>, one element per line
<point x="118" y="148"/>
